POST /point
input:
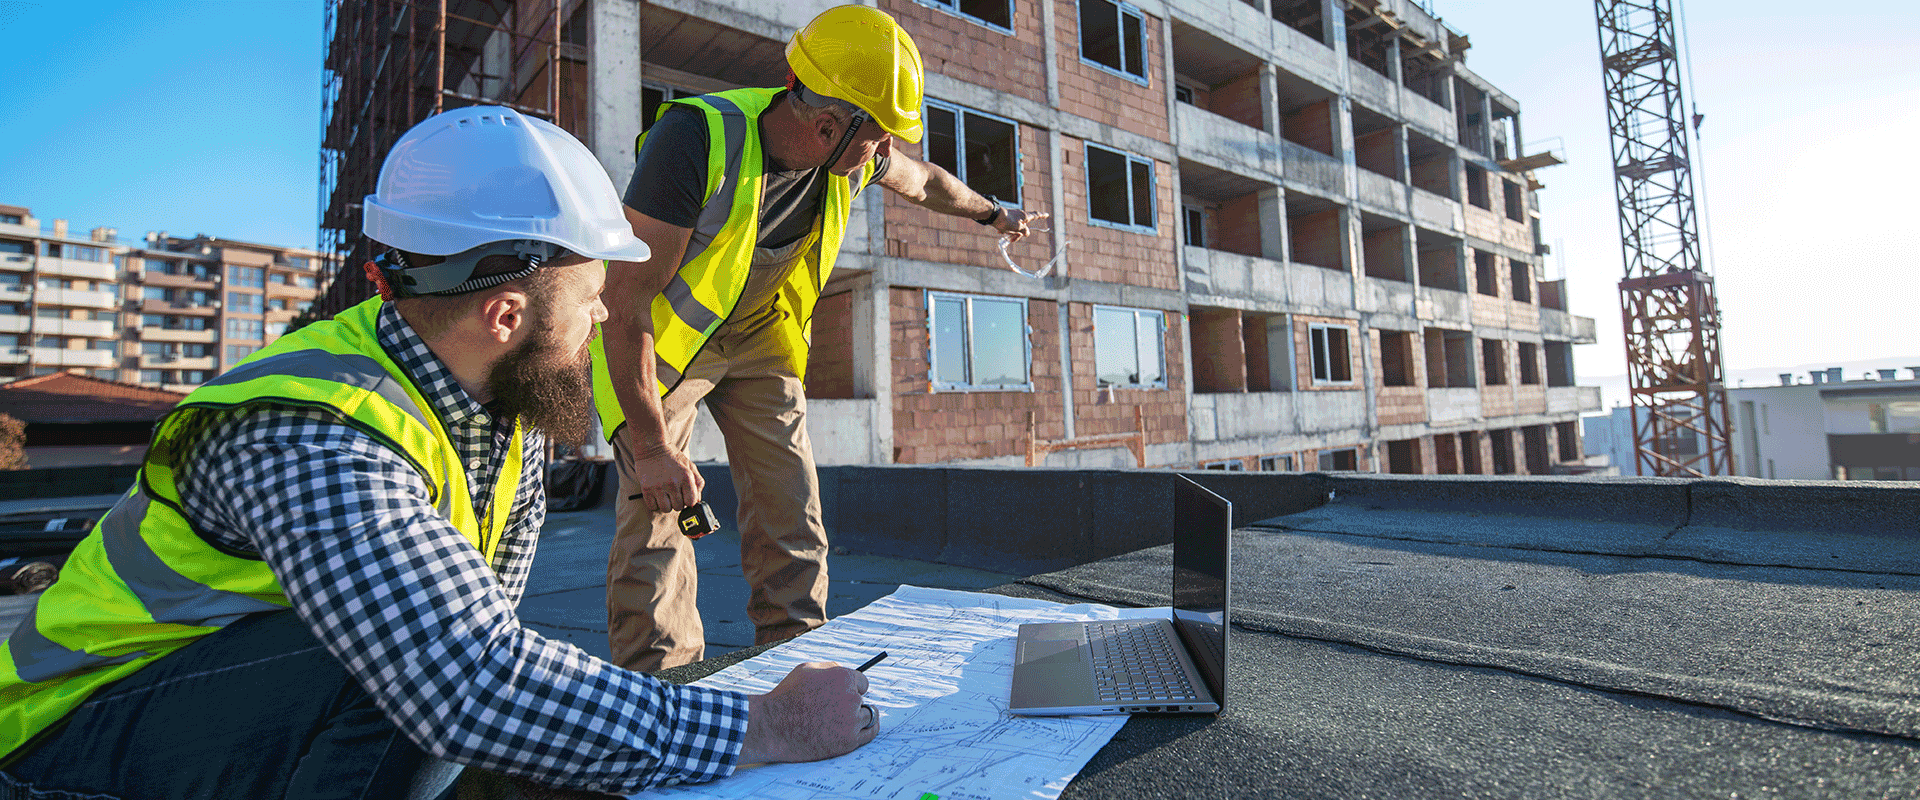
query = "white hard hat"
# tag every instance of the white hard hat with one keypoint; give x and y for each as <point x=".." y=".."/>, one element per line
<point x="474" y="176"/>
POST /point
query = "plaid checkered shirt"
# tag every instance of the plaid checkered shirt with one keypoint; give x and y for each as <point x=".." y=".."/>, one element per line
<point x="415" y="613"/>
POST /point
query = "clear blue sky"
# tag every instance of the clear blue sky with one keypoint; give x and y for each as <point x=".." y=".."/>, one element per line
<point x="202" y="116"/>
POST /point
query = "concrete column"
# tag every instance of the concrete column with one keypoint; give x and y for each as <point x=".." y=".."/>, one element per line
<point x="1273" y="224"/>
<point x="1270" y="102"/>
<point x="613" y="83"/>
<point x="873" y="334"/>
<point x="1066" y="369"/>
<point x="1050" y="47"/>
<point x="1486" y="122"/>
<point x="1333" y="25"/>
<point x="1394" y="67"/>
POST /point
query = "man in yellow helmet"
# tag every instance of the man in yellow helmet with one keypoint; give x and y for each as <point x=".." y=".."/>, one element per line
<point x="744" y="197"/>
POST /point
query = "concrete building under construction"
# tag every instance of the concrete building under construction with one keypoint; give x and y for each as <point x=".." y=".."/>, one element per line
<point x="1292" y="234"/>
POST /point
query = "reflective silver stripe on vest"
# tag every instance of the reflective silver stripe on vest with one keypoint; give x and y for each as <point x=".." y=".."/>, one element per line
<point x="350" y="369"/>
<point x="713" y="215"/>
<point x="166" y="595"/>
<point x="690" y="311"/>
<point x="357" y="371"/>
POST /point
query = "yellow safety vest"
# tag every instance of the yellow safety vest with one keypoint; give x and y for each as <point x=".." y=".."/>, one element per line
<point x="713" y="272"/>
<point x="144" y="584"/>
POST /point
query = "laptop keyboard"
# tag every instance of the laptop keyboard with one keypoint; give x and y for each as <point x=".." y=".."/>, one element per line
<point x="1134" y="662"/>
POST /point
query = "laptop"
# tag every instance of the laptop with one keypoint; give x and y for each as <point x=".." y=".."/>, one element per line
<point x="1130" y="666"/>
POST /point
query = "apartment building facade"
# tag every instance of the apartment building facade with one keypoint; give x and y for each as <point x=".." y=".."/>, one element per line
<point x="1287" y="234"/>
<point x="161" y="311"/>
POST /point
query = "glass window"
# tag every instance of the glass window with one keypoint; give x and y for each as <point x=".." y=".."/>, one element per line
<point x="978" y="342"/>
<point x="1113" y="35"/>
<point x="50" y="313"/>
<point x="156" y="349"/>
<point x="160" y="265"/>
<point x="16" y="247"/>
<point x="193" y="376"/>
<point x="250" y="329"/>
<point x="156" y="293"/>
<point x="9" y="340"/>
<point x="1332" y="361"/>
<point x="244" y="303"/>
<point x="51" y="342"/>
<point x="1120" y="189"/>
<point x="1129" y="347"/>
<point x="274" y="329"/>
<point x="235" y="352"/>
<point x="12" y="309"/>
<point x="982" y="151"/>
<point x="11" y="219"/>
<point x="1196" y="226"/>
<point x="12" y="279"/>
<point x="991" y="13"/>
<point x="248" y="277"/>
<point x="277" y="304"/>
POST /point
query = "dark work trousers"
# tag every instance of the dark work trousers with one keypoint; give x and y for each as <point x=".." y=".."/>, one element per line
<point x="257" y="709"/>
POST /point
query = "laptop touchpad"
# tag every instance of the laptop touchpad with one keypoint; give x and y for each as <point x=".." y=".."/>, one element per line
<point x="1051" y="651"/>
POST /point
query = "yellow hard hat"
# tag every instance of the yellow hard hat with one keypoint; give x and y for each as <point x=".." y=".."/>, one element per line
<point x="861" y="55"/>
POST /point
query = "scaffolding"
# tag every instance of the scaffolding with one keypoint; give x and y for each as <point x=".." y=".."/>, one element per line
<point x="1670" y="317"/>
<point x="391" y="63"/>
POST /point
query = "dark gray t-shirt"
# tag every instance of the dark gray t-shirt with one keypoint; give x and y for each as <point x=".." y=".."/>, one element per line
<point x="670" y="182"/>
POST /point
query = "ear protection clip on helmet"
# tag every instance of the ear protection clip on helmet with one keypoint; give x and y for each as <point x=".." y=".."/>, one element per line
<point x="454" y="275"/>
<point x="857" y="116"/>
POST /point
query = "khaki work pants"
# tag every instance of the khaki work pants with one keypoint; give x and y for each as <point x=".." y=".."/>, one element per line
<point x="653" y="620"/>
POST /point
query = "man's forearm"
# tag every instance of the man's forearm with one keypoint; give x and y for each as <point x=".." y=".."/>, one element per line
<point x="630" y="365"/>
<point x="949" y="195"/>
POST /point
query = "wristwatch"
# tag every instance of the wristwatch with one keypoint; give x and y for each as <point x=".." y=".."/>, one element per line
<point x="994" y="217"/>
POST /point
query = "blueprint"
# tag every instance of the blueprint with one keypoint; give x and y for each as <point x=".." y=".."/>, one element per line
<point x="942" y="696"/>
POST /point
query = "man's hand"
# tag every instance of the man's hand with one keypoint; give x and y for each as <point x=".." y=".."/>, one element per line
<point x="1014" y="221"/>
<point x="813" y="714"/>
<point x="668" y="480"/>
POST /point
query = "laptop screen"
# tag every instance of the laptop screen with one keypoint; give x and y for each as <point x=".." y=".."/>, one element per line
<point x="1202" y="522"/>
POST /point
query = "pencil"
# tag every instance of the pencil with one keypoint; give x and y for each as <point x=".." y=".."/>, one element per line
<point x="871" y="661"/>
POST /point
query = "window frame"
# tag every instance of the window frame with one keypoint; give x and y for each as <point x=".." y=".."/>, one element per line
<point x="1273" y="463"/>
<point x="953" y="7"/>
<point x="1225" y="465"/>
<point x="1316" y="334"/>
<point x="1122" y="10"/>
<point x="934" y="383"/>
<point x="1192" y="235"/>
<point x="960" y="144"/>
<point x="1160" y="325"/>
<point x="1153" y="187"/>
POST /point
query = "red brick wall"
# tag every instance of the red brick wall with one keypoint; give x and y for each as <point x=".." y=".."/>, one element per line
<point x="1399" y="405"/>
<point x="1219" y="351"/>
<point x="917" y="233"/>
<point x="1316" y="238"/>
<point x="1091" y="92"/>
<point x="830" y="361"/>
<point x="1310" y="126"/>
<point x="930" y="427"/>
<point x="1238" y="225"/>
<point x="966" y="50"/>
<point x="1239" y="100"/>
<point x="1116" y="256"/>
<point x="1376" y="151"/>
<point x="1165" y="410"/>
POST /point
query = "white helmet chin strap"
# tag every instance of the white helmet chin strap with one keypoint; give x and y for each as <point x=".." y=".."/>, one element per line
<point x="454" y="275"/>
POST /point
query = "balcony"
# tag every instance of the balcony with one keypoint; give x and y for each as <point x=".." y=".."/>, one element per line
<point x="1313" y="168"/>
<point x="165" y="335"/>
<point x="89" y="270"/>
<point x="1562" y="326"/>
<point x="1382" y="192"/>
<point x="61" y="357"/>
<point x="178" y="307"/>
<point x="1230" y="416"/>
<point x="1436" y="212"/>
<point x="15" y="294"/>
<point x="1426" y="114"/>
<point x="175" y="362"/>
<point x="14" y="323"/>
<point x="171" y="281"/>
<point x="92" y="329"/>
<point x="79" y="297"/>
<point x="1222" y="274"/>
<point x="16" y="262"/>
<point x="1573" y="399"/>
<point x="1227" y="141"/>
<point x="1453" y="405"/>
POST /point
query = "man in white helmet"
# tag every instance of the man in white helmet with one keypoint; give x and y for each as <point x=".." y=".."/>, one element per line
<point x="311" y="589"/>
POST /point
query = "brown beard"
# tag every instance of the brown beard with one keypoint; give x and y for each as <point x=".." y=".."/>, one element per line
<point x="550" y="391"/>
